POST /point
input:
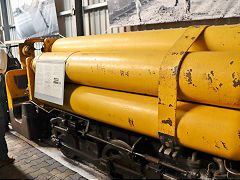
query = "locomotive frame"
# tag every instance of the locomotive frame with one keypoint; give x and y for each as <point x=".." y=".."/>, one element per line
<point x="120" y="153"/>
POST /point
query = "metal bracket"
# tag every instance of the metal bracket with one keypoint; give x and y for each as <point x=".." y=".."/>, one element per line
<point x="48" y="44"/>
<point x="168" y="80"/>
<point x="95" y="6"/>
<point x="69" y="12"/>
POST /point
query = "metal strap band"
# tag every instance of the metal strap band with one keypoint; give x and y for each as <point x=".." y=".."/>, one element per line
<point x="168" y="80"/>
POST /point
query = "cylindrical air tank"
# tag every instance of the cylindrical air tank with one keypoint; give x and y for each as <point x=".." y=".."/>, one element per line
<point x="205" y="77"/>
<point x="205" y="128"/>
<point x="214" y="38"/>
<point x="130" y="62"/>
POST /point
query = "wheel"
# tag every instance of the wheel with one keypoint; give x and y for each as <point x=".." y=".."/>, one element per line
<point x="71" y="142"/>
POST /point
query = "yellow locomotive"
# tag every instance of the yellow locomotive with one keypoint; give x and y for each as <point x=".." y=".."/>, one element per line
<point x="151" y="104"/>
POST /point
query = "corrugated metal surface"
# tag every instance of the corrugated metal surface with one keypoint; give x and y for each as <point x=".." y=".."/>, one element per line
<point x="96" y="21"/>
<point x="66" y="23"/>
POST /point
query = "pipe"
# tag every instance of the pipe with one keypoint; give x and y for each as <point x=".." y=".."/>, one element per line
<point x="214" y="38"/>
<point x="205" y="77"/>
<point x="205" y="128"/>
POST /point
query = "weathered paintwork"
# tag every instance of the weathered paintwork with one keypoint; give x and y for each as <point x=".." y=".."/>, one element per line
<point x="168" y="79"/>
<point x="209" y="129"/>
<point x="214" y="38"/>
<point x="205" y="77"/>
<point x="133" y="62"/>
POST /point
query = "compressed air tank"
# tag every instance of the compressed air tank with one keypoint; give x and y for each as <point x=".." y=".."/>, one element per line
<point x="214" y="38"/>
<point x="205" y="77"/>
<point x="129" y="65"/>
<point x="139" y="114"/>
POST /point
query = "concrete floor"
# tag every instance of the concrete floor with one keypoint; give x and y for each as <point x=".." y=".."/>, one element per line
<point x="34" y="161"/>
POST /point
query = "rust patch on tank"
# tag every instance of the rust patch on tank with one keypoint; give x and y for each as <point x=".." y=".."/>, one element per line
<point x="236" y="79"/>
<point x="216" y="145"/>
<point x="182" y="52"/>
<point x="231" y="62"/>
<point x="123" y="73"/>
<point x="186" y="36"/>
<point x="193" y="38"/>
<point x="131" y="123"/>
<point x="189" y="76"/>
<point x="213" y="82"/>
<point x="159" y="101"/>
<point x="212" y="73"/>
<point x="101" y="67"/>
<point x="151" y="72"/>
<point x="168" y="121"/>
<point x="162" y="77"/>
<point x="210" y="78"/>
<point x="215" y="89"/>
<point x="236" y="83"/>
<point x="224" y="145"/>
<point x="239" y="134"/>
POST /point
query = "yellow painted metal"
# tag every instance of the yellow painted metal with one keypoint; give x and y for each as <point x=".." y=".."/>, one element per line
<point x="209" y="129"/>
<point x="204" y="77"/>
<point x="56" y="56"/>
<point x="25" y="50"/>
<point x="30" y="77"/>
<point x="30" y="62"/>
<point x="115" y="108"/>
<point x="48" y="44"/>
<point x="168" y="80"/>
<point x="28" y="50"/>
<point x="12" y="89"/>
<point x="211" y="77"/>
<point x="215" y="38"/>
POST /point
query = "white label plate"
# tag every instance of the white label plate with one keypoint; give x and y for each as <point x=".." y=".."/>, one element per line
<point x="49" y="81"/>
